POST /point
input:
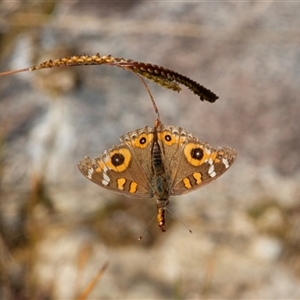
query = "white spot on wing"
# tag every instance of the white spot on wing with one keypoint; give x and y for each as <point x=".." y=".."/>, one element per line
<point x="211" y="171"/>
<point x="225" y="162"/>
<point x="213" y="174"/>
<point x="90" y="173"/>
<point x="105" y="180"/>
<point x="106" y="157"/>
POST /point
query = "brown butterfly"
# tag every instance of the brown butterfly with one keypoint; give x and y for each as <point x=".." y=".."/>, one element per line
<point x="162" y="161"/>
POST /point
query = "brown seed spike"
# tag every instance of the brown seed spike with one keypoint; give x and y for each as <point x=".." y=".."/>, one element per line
<point x="170" y="79"/>
<point x="164" y="77"/>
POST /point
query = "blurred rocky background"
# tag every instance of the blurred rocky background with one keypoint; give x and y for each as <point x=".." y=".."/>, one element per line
<point x="58" y="229"/>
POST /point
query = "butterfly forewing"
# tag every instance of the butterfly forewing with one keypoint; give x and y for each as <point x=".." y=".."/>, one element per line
<point x="190" y="163"/>
<point x="119" y="170"/>
<point x="140" y="143"/>
<point x="217" y="162"/>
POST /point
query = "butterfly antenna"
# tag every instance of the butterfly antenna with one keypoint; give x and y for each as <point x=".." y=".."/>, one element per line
<point x="179" y="221"/>
<point x="141" y="236"/>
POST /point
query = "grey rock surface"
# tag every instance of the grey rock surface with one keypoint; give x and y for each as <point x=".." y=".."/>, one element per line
<point x="58" y="229"/>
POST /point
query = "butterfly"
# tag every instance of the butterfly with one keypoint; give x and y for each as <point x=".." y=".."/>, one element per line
<point x="158" y="162"/>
